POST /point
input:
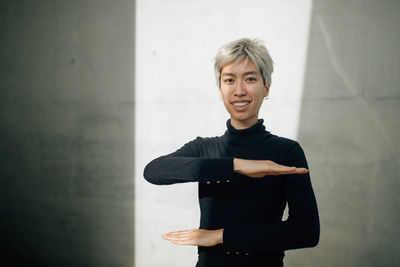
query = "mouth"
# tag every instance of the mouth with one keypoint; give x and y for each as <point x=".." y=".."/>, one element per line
<point x="241" y="103"/>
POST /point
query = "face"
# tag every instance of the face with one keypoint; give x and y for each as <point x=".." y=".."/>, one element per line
<point x="242" y="90"/>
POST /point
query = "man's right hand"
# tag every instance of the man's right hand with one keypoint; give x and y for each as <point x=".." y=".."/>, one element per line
<point x="261" y="168"/>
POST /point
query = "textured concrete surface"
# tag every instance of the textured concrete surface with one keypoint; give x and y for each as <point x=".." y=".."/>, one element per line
<point x="67" y="133"/>
<point x="350" y="129"/>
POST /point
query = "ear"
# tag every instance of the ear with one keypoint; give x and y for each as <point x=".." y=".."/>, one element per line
<point x="266" y="92"/>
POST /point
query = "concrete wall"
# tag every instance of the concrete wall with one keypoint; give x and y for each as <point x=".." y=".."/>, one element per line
<point x="350" y="128"/>
<point x="67" y="133"/>
<point x="68" y="116"/>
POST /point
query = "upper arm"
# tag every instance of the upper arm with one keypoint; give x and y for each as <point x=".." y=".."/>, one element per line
<point x="300" y="195"/>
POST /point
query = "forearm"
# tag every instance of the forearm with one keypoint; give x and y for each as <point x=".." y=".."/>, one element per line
<point x="271" y="238"/>
<point x="177" y="169"/>
<point x="261" y="168"/>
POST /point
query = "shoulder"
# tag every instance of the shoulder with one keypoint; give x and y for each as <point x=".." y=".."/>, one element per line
<point x="288" y="150"/>
<point x="206" y="145"/>
<point x="207" y="141"/>
<point x="283" y="143"/>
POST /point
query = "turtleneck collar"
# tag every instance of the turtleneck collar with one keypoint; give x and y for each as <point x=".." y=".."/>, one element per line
<point x="247" y="136"/>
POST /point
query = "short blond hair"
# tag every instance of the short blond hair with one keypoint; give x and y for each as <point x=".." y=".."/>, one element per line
<point x="244" y="48"/>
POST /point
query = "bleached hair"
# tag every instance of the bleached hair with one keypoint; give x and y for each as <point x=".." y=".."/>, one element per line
<point x="248" y="49"/>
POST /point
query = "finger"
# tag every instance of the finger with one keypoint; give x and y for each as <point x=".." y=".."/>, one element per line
<point x="180" y="232"/>
<point x="276" y="166"/>
<point x="186" y="242"/>
<point x="295" y="170"/>
<point x="177" y="232"/>
<point x="287" y="170"/>
<point x="174" y="236"/>
<point x="301" y="170"/>
<point x="280" y="169"/>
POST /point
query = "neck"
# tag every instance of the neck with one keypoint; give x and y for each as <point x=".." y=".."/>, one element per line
<point x="240" y="125"/>
<point x="250" y="135"/>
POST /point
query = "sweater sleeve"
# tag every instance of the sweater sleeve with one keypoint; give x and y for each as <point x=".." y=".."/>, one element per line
<point x="188" y="164"/>
<point x="300" y="230"/>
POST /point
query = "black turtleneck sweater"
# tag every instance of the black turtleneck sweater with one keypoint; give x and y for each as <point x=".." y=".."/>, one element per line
<point x="248" y="209"/>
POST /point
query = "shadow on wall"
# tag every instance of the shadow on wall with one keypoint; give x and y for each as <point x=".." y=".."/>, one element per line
<point x="66" y="133"/>
<point x="349" y="129"/>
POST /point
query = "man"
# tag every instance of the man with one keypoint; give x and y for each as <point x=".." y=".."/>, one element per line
<point x="245" y="176"/>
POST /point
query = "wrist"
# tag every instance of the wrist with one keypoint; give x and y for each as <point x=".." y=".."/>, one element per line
<point x="220" y="234"/>
<point x="237" y="165"/>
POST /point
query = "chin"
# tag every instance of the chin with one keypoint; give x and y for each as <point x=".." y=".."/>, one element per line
<point x="241" y="117"/>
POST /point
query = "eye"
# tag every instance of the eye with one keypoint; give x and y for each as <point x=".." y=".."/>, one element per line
<point x="251" y="79"/>
<point x="228" y="81"/>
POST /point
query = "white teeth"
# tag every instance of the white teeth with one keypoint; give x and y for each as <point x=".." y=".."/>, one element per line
<point x="240" y="104"/>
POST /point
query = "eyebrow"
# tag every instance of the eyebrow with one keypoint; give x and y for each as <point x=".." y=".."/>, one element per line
<point x="228" y="74"/>
<point x="244" y="74"/>
<point x="249" y="73"/>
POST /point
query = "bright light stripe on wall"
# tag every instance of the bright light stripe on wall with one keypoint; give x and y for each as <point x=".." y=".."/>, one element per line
<point x="177" y="99"/>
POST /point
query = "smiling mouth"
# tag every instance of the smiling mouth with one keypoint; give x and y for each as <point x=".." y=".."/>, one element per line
<point x="241" y="104"/>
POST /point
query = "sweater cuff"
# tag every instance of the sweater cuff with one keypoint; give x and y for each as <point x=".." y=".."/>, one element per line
<point x="217" y="169"/>
<point x="233" y="241"/>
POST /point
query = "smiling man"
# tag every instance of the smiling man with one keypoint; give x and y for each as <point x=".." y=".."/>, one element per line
<point x="243" y="90"/>
<point x="246" y="176"/>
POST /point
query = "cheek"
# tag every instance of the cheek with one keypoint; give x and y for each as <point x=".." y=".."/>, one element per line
<point x="224" y="94"/>
<point x="258" y="94"/>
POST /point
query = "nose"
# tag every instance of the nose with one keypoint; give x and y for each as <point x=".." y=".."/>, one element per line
<point x="240" y="89"/>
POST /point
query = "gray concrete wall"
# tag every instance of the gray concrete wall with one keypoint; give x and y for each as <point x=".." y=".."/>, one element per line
<point x="67" y="123"/>
<point x="350" y="129"/>
<point x="67" y="133"/>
